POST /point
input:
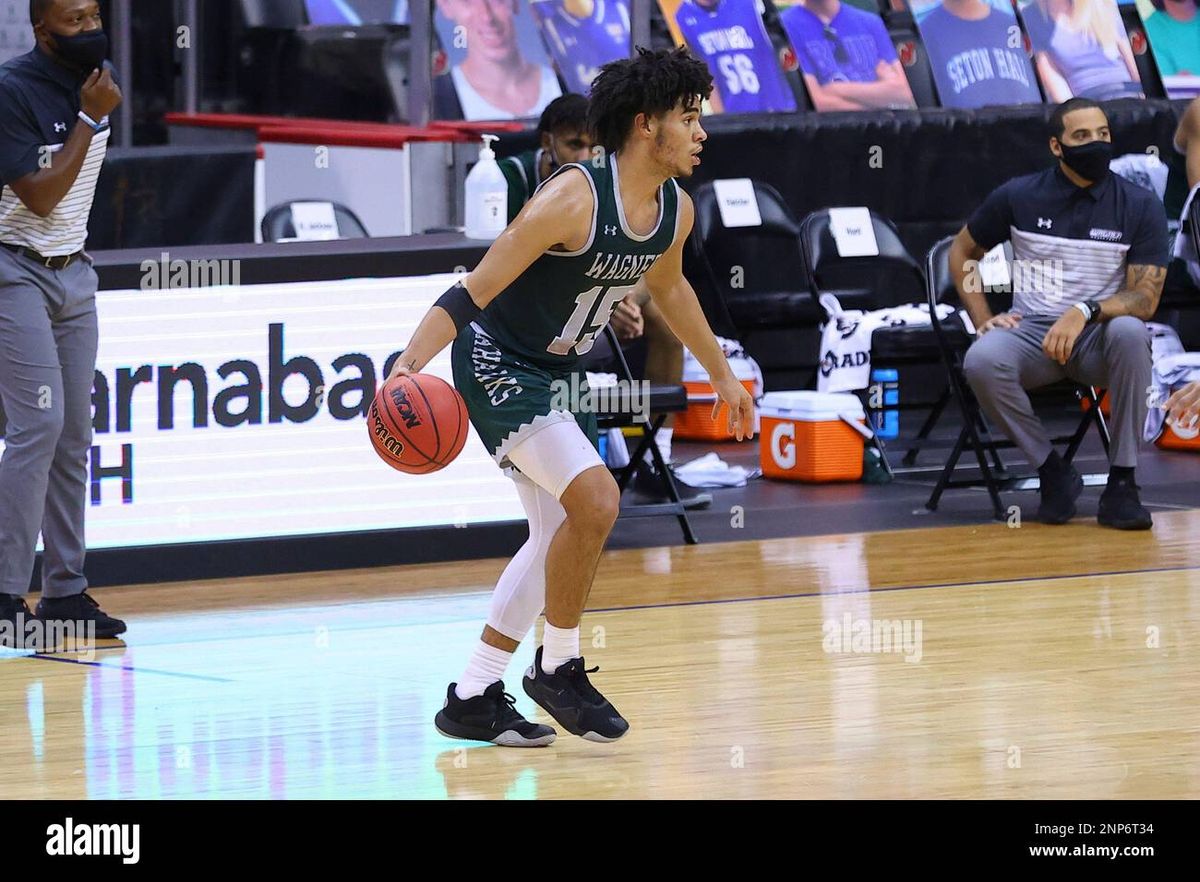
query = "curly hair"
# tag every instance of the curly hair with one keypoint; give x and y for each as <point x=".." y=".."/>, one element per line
<point x="652" y="82"/>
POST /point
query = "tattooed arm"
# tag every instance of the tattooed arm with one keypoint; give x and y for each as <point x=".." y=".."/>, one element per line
<point x="1139" y="297"/>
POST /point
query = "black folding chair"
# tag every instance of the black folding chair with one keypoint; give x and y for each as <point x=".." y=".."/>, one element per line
<point x="661" y="401"/>
<point x="891" y="278"/>
<point x="769" y="292"/>
<point x="277" y="224"/>
<point x="975" y="436"/>
<point x="750" y="283"/>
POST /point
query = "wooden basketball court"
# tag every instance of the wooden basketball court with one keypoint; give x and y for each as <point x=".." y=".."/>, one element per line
<point x="960" y="662"/>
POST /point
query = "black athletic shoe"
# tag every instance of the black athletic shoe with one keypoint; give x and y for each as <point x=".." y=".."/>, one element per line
<point x="491" y="717"/>
<point x="569" y="697"/>
<point x="1121" y="508"/>
<point x="14" y="613"/>
<point x="81" y="609"/>
<point x="1061" y="486"/>
<point x="647" y="482"/>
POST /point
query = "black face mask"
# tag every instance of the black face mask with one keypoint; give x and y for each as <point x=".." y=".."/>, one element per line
<point x="86" y="51"/>
<point x="1088" y="160"/>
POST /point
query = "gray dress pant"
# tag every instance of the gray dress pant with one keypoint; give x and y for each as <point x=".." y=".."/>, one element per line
<point x="48" y="339"/>
<point x="1114" y="355"/>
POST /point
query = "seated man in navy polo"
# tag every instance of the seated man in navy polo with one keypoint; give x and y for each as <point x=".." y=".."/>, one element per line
<point x="1090" y="253"/>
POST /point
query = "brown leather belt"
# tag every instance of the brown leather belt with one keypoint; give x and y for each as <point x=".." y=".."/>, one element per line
<point x="55" y="263"/>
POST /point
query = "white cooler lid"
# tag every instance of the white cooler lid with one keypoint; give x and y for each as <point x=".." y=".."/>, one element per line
<point x="694" y="372"/>
<point x="811" y="406"/>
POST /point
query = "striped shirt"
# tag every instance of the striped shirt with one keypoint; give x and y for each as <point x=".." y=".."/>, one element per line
<point x="39" y="106"/>
<point x="1071" y="243"/>
<point x="65" y="230"/>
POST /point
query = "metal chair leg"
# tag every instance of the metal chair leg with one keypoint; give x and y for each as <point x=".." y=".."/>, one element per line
<point x="935" y="413"/>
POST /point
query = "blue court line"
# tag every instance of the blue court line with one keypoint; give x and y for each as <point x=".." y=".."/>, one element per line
<point x="892" y="588"/>
<point x="96" y="664"/>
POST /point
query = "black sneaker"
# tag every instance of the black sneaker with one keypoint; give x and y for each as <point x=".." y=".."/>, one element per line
<point x="647" y="482"/>
<point x="1061" y="486"/>
<point x="1121" y="508"/>
<point x="569" y="697"/>
<point x="491" y="717"/>
<point x="81" y="609"/>
<point x="14" y="613"/>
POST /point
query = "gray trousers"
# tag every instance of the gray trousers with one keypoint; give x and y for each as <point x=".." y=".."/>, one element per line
<point x="48" y="339"/>
<point x="1114" y="355"/>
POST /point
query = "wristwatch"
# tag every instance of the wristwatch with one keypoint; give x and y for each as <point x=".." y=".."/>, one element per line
<point x="1090" y="310"/>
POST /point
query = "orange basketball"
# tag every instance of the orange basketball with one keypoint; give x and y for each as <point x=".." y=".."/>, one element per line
<point x="418" y="423"/>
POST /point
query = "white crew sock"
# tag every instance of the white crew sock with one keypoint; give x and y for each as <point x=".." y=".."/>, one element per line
<point x="487" y="665"/>
<point x="663" y="439"/>
<point x="559" y="646"/>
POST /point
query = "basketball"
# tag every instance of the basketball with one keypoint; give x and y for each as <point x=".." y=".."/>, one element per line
<point x="418" y="423"/>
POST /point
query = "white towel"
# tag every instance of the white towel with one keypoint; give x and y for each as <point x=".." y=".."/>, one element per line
<point x="712" y="471"/>
<point x="600" y="381"/>
<point x="846" y="340"/>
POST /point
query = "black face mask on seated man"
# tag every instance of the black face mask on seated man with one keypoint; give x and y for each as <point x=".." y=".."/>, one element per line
<point x="86" y="50"/>
<point x="1088" y="160"/>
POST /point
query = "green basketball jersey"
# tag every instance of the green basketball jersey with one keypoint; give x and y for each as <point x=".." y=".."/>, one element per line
<point x="521" y="172"/>
<point x="553" y="312"/>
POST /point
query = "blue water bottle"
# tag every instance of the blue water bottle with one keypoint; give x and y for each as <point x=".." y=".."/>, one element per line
<point x="886" y="422"/>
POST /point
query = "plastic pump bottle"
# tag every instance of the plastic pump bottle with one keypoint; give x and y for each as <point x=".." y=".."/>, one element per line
<point x="487" y="196"/>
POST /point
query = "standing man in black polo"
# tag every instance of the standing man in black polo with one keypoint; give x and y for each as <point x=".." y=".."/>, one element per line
<point x="54" y="107"/>
<point x="1090" y="253"/>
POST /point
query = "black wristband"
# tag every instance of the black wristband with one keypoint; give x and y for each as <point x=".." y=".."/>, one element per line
<point x="1093" y="307"/>
<point x="458" y="303"/>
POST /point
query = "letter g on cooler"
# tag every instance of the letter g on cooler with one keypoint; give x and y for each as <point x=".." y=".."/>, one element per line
<point x="784" y="453"/>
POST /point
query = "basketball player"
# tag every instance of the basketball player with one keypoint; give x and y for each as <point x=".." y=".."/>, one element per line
<point x="542" y="293"/>
<point x="564" y="137"/>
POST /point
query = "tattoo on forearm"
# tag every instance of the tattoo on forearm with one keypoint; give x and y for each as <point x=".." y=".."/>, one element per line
<point x="1144" y="286"/>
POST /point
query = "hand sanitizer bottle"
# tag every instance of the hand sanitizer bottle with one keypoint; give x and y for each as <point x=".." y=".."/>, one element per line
<point x="487" y="196"/>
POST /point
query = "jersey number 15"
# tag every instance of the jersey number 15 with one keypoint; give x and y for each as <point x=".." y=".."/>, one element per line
<point x="574" y="336"/>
